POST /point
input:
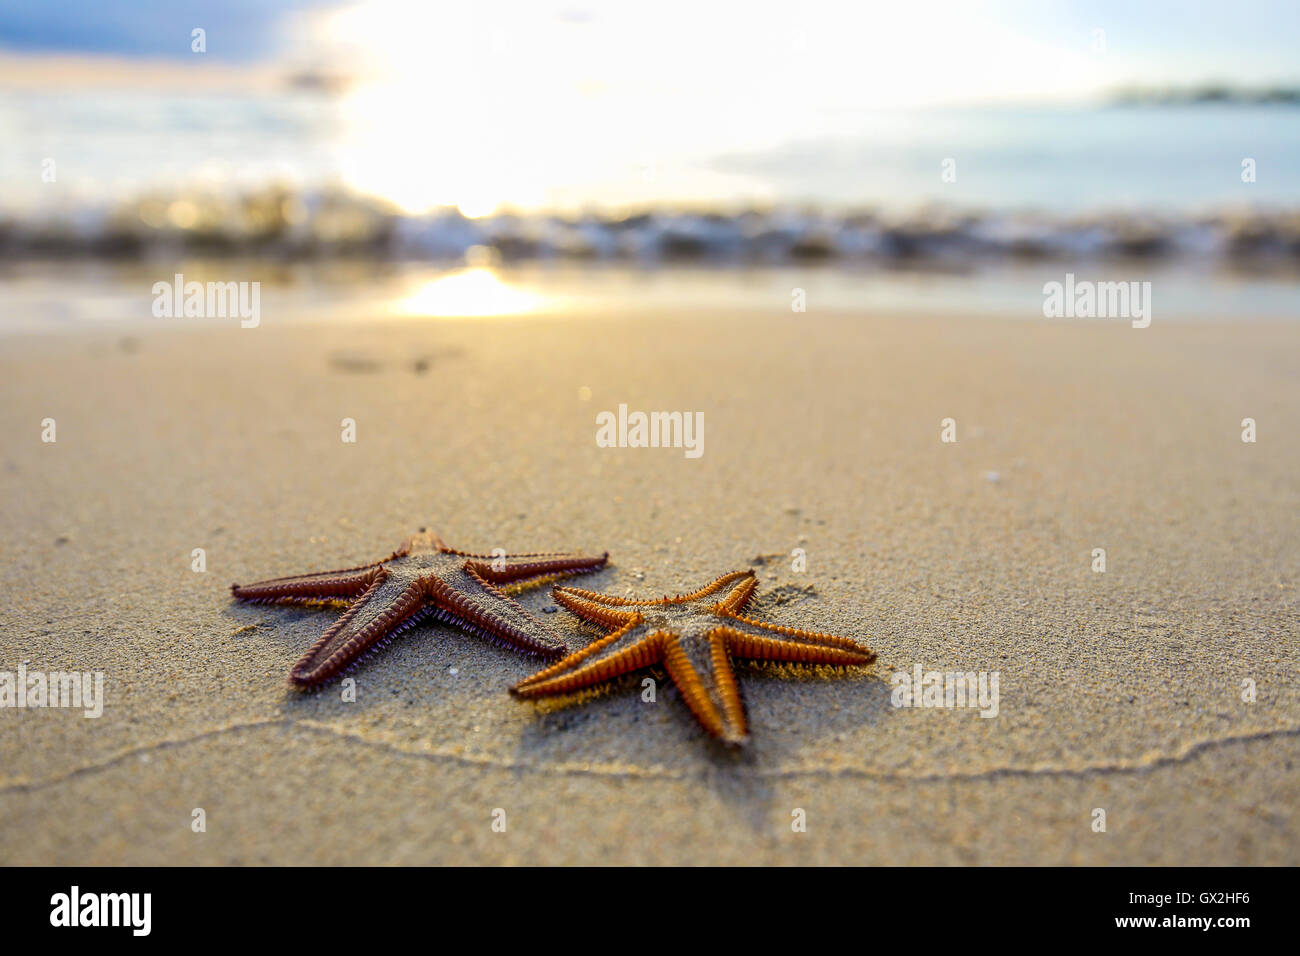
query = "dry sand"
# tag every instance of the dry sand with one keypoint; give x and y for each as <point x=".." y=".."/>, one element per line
<point x="1120" y="690"/>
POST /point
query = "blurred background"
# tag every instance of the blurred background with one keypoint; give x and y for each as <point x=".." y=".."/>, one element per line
<point x="388" y="158"/>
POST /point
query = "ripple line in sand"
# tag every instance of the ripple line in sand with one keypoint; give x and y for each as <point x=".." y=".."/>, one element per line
<point x="627" y="771"/>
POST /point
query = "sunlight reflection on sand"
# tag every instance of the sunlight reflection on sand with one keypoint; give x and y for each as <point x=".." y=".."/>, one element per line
<point x="468" y="293"/>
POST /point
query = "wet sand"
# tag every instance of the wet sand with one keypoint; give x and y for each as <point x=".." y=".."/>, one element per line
<point x="1120" y="690"/>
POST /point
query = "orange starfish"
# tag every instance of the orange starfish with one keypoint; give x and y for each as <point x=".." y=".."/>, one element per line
<point x="423" y="579"/>
<point x="695" y="642"/>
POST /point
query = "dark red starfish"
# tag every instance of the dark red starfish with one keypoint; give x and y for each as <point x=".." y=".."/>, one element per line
<point x="424" y="579"/>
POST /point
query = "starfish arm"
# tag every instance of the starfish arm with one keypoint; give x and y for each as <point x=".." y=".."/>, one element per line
<point x="757" y="640"/>
<point x="702" y="672"/>
<point x="530" y="570"/>
<point x="482" y="607"/>
<point x="602" y="615"/>
<point x="734" y="578"/>
<point x="743" y="584"/>
<point x="305" y="588"/>
<point x="385" y="607"/>
<point x="627" y="649"/>
<point x="595" y="597"/>
<point x="737" y="578"/>
<point x="425" y="539"/>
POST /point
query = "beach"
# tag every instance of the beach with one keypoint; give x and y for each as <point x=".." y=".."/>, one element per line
<point x="1123" y="690"/>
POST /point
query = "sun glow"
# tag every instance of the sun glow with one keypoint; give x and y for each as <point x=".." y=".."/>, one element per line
<point x="468" y="293"/>
<point x="536" y="104"/>
<point x="476" y="207"/>
<point x="433" y="120"/>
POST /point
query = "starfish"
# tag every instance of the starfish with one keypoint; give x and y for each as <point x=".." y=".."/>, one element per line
<point x="422" y="579"/>
<point x="694" y="636"/>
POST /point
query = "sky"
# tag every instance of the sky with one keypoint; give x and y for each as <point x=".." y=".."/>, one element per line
<point x="479" y="103"/>
<point x="937" y="50"/>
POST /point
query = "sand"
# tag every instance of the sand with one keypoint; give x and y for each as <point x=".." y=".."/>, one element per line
<point x="1120" y="691"/>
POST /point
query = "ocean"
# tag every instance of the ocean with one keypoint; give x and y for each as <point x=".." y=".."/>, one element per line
<point x="925" y="208"/>
<point x="1168" y="158"/>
